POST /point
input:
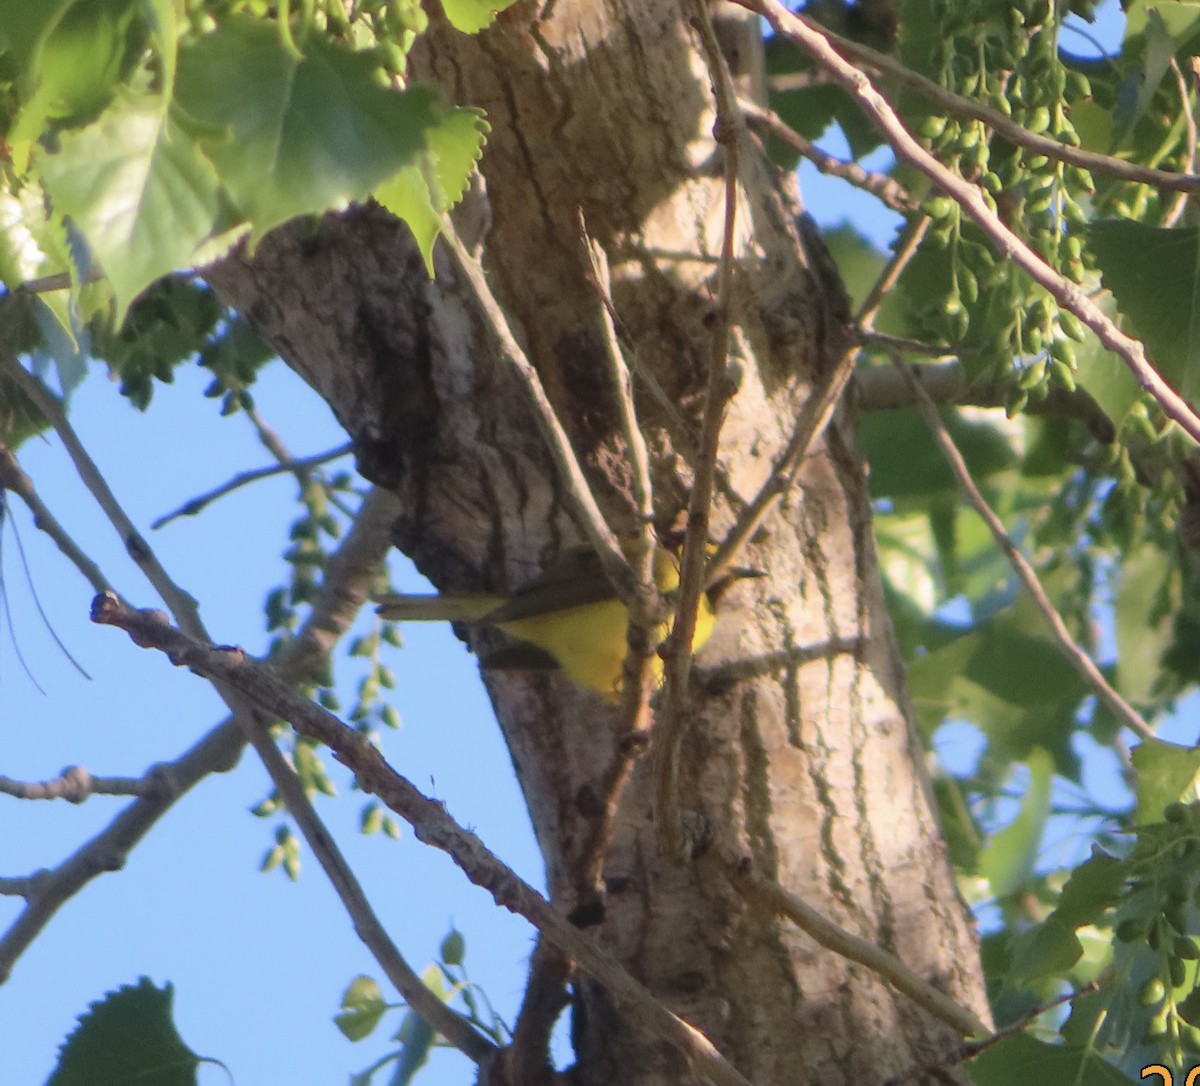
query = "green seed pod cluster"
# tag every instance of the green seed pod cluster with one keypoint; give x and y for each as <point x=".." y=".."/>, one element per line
<point x="1157" y="938"/>
<point x="1007" y="56"/>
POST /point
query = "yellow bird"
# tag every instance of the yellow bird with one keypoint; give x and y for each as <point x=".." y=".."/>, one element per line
<point x="570" y="613"/>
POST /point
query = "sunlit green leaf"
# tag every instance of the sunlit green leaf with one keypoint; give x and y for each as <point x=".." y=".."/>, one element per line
<point x="422" y="193"/>
<point x="1165" y="773"/>
<point x="303" y="135"/>
<point x="471" y="16"/>
<point x="139" y="191"/>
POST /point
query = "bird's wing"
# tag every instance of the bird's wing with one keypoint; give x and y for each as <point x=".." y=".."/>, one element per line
<point x="576" y="579"/>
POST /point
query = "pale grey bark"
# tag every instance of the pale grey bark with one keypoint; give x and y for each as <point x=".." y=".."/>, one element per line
<point x="808" y="763"/>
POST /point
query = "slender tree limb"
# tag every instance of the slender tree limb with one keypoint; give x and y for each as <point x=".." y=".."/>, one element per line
<point x="181" y="604"/>
<point x="770" y="896"/>
<point x="971" y="198"/>
<point x="14" y="479"/>
<point x="527" y="1058"/>
<point x="1075" y="656"/>
<point x="674" y="720"/>
<point x="1179" y="204"/>
<point x="887" y="189"/>
<point x="591" y="519"/>
<point x="883" y="388"/>
<point x="645" y="612"/>
<point x="219" y="749"/>
<point x="814" y="417"/>
<point x="909" y="242"/>
<point x="968" y="1050"/>
<point x="75" y="784"/>
<point x="1002" y="125"/>
<point x="59" y="281"/>
<point x="243" y="478"/>
<point x="429" y="819"/>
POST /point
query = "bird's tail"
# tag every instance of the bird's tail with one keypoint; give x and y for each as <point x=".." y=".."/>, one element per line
<point x="415" y="608"/>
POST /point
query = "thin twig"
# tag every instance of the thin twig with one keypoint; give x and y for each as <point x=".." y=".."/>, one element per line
<point x="182" y="605"/>
<point x="429" y="819"/>
<point x="14" y="479"/>
<point x="887" y="189"/>
<point x="968" y="1050"/>
<point x="293" y="466"/>
<point x="599" y="534"/>
<point x="972" y="200"/>
<point x="674" y="721"/>
<point x="75" y="784"/>
<point x="349" y="575"/>
<point x="909" y="242"/>
<point x="884" y="388"/>
<point x="637" y="677"/>
<point x="59" y="281"/>
<point x="1175" y="212"/>
<point x="1002" y="125"/>
<point x="769" y="895"/>
<point x="419" y="996"/>
<point x="814" y="417"/>
<point x="1075" y="656"/>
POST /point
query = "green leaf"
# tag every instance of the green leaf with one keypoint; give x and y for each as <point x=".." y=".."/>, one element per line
<point x="1155" y="276"/>
<point x="1104" y="376"/>
<point x="1165" y="773"/>
<point x="454" y="948"/>
<point x="138" y="190"/>
<point x="1091" y="889"/>
<point x="471" y="16"/>
<point x="921" y="472"/>
<point x="302" y="135"/>
<point x="24" y="24"/>
<point x="422" y="193"/>
<point x="1047" y="950"/>
<point x="1008" y="859"/>
<point x="363" y="1006"/>
<point x="130" y="1036"/>
<point x="1143" y="620"/>
<point x="1036" y="1063"/>
<point x="1052" y="947"/>
<point x="1009" y="682"/>
<point x="84" y="57"/>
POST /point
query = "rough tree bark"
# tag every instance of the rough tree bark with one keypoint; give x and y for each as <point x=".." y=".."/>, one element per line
<point x="804" y="756"/>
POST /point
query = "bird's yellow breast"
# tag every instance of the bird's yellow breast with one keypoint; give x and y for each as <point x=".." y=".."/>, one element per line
<point x="590" y="642"/>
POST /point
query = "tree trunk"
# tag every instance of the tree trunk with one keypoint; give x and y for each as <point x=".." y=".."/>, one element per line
<point x="801" y="753"/>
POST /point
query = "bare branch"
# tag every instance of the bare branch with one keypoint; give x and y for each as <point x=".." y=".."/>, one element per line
<point x="289" y="466"/>
<point x="349" y="575"/>
<point x="599" y="534"/>
<point x="818" y="410"/>
<point x="968" y="1050"/>
<point x="993" y="118"/>
<point x="909" y="242"/>
<point x="646" y="607"/>
<point x="429" y="819"/>
<point x="1075" y="656"/>
<point x="972" y="200"/>
<point x="882" y="388"/>
<point x="1179" y="204"/>
<point x="181" y="604"/>
<point x="13" y="479"/>
<point x="769" y="895"/>
<point x="880" y="185"/>
<point x="673" y="723"/>
<point x="75" y="784"/>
